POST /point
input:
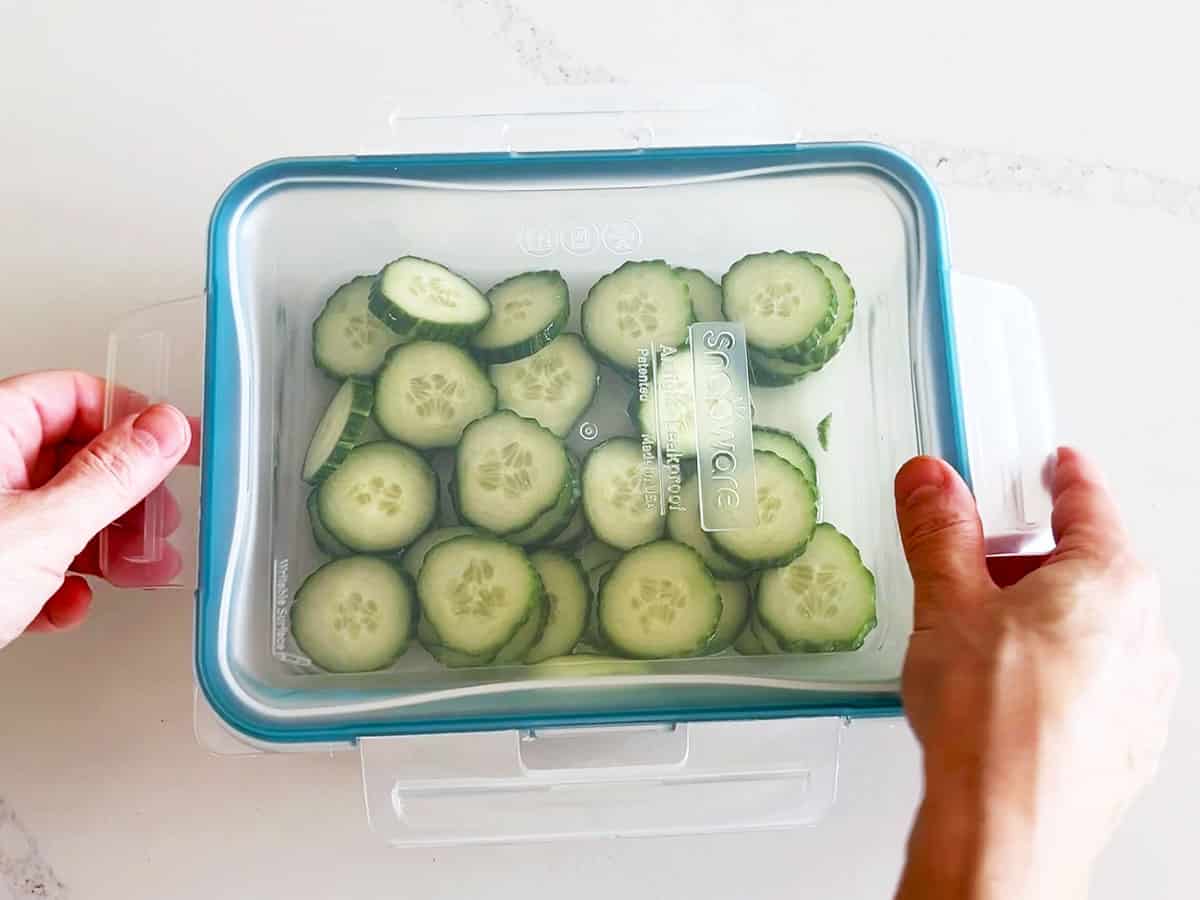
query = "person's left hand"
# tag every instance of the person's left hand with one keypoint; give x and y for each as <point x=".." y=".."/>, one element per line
<point x="62" y="481"/>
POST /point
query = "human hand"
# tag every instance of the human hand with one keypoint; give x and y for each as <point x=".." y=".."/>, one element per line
<point x="1041" y="708"/>
<point x="62" y="481"/>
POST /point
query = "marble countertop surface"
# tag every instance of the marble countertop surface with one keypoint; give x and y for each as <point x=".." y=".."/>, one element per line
<point x="1064" y="142"/>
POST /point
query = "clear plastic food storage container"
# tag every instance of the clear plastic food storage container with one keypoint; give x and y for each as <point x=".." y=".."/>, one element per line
<point x="932" y="363"/>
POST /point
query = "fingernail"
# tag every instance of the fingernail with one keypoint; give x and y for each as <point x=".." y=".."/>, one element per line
<point x="919" y="479"/>
<point x="166" y="425"/>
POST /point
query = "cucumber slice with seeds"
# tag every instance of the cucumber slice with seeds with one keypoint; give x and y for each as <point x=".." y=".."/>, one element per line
<point x="554" y="386"/>
<point x="508" y="471"/>
<point x="615" y="500"/>
<point x="347" y="339"/>
<point x="831" y="341"/>
<point x="787" y="514"/>
<point x="683" y="525"/>
<point x="639" y="305"/>
<point x="428" y="392"/>
<point x="785" y="444"/>
<point x="353" y="614"/>
<point x="528" y="311"/>
<point x="822" y="601"/>
<point x="659" y="602"/>
<point x="325" y="541"/>
<point x="569" y="598"/>
<point x="417" y="298"/>
<point x="477" y="593"/>
<point x="705" y="295"/>
<point x="673" y="394"/>
<point x="784" y="300"/>
<point x="735" y="612"/>
<point x="381" y="498"/>
<point x="552" y="522"/>
<point x="339" y="430"/>
<point x="414" y="556"/>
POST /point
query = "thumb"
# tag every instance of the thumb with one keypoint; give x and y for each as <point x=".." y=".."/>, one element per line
<point x="114" y="472"/>
<point x="941" y="532"/>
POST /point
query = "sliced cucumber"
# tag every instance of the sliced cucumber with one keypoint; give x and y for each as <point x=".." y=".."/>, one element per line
<point x="705" y="295"/>
<point x="347" y="339"/>
<point x="429" y="391"/>
<point x="823" y="431"/>
<point x="595" y="553"/>
<point x="508" y="471"/>
<point x="596" y="576"/>
<point x="477" y="593"/>
<point x="576" y="531"/>
<point x="831" y="341"/>
<point x="554" y="386"/>
<point x="527" y="636"/>
<point x="822" y="601"/>
<point x="747" y="642"/>
<point x="784" y="300"/>
<point x="450" y="658"/>
<point x="785" y="444"/>
<point x="327" y="543"/>
<point x="553" y="521"/>
<point x="354" y="614"/>
<point x="381" y="498"/>
<point x="659" y="602"/>
<point x="414" y="556"/>
<point x="683" y="525"/>
<point x="769" y="371"/>
<point x="569" y="599"/>
<point x="339" y="430"/>
<point x="787" y="514"/>
<point x="763" y="635"/>
<point x="735" y="611"/>
<point x="640" y="306"/>
<point x="618" y="507"/>
<point x="528" y="310"/>
<point x="417" y="298"/>
<point x="673" y="394"/>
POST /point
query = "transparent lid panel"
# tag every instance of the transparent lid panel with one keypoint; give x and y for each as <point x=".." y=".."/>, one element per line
<point x="284" y="243"/>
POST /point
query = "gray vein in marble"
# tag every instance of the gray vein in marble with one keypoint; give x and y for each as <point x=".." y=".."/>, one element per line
<point x="536" y="50"/>
<point x="1059" y="177"/>
<point x="22" y="870"/>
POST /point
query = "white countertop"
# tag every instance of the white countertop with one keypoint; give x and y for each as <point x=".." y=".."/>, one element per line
<point x="1069" y="161"/>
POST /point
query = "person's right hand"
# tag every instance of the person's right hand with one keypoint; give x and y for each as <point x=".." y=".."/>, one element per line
<point x="1041" y="708"/>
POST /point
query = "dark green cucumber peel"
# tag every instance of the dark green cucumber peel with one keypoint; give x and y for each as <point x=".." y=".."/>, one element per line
<point x="535" y="341"/>
<point x="412" y="327"/>
<point x="326" y="542"/>
<point x="802" y="345"/>
<point x="831" y="342"/>
<point x="362" y="401"/>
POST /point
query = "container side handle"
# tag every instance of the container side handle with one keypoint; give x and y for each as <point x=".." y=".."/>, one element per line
<point x="1008" y="414"/>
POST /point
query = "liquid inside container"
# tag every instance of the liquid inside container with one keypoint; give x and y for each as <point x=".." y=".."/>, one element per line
<point x="287" y="234"/>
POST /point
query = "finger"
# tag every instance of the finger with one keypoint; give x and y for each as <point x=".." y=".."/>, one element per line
<point x="166" y="513"/>
<point x="1085" y="519"/>
<point x="124" y="544"/>
<point x="941" y="532"/>
<point x="104" y="480"/>
<point x="66" y="608"/>
<point x="192" y="456"/>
